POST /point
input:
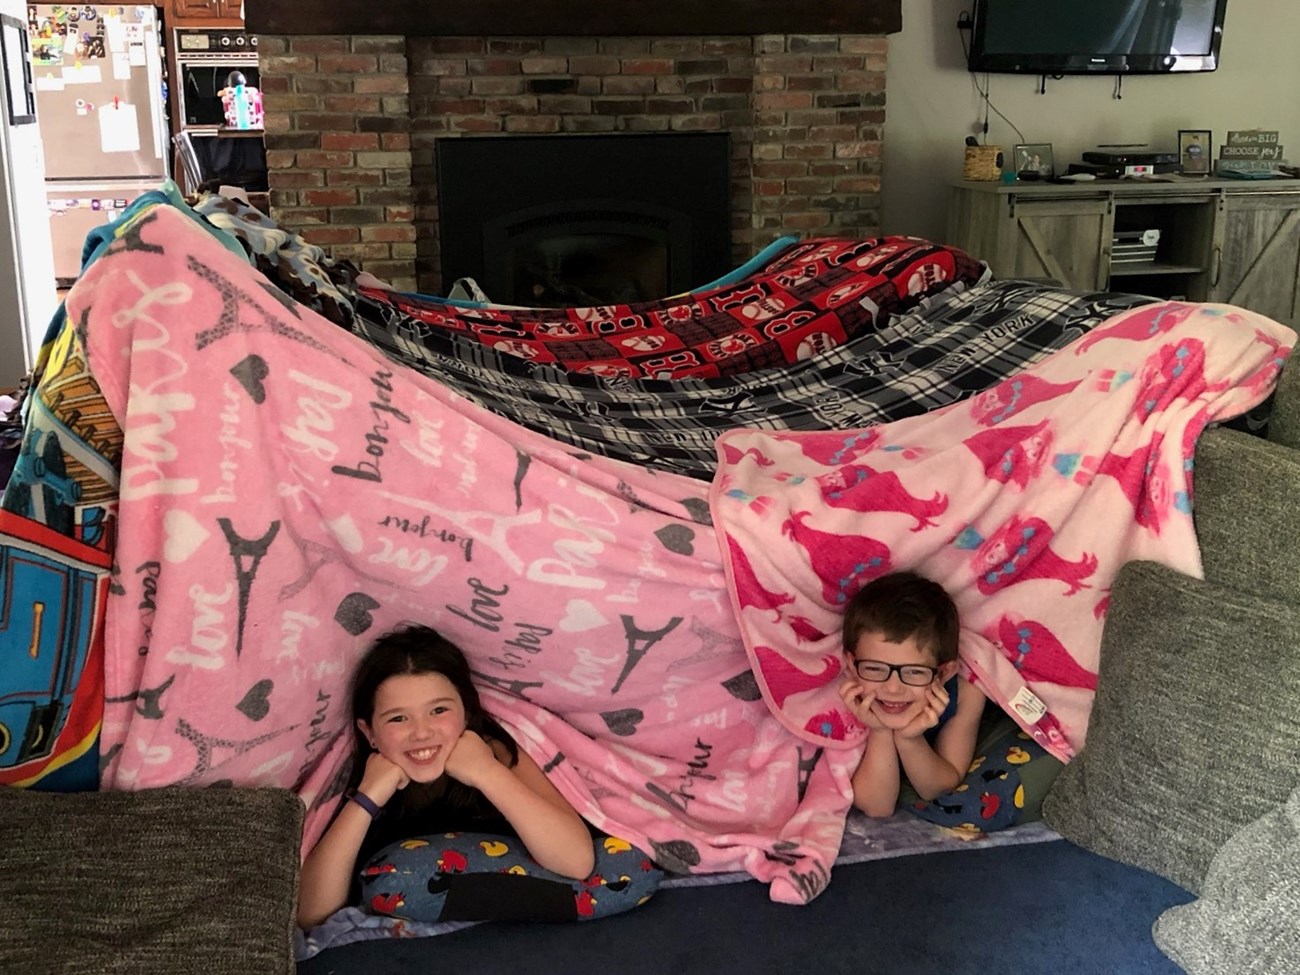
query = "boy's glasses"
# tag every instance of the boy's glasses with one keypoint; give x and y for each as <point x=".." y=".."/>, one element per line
<point x="877" y="671"/>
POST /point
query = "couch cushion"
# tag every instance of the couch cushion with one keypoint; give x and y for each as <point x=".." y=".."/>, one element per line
<point x="1246" y="920"/>
<point x="1194" y="730"/>
<point x="1247" y="520"/>
<point x="171" y="881"/>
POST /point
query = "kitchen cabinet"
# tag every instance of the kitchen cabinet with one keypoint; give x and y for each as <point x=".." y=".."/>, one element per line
<point x="207" y="13"/>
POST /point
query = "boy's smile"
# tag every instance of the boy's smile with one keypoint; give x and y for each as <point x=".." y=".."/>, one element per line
<point x="892" y="707"/>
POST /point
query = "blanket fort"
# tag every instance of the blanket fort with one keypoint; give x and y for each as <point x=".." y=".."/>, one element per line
<point x="287" y="494"/>
<point x="1023" y="502"/>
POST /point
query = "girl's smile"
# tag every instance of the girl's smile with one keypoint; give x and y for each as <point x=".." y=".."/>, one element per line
<point x="418" y="719"/>
<point x="424" y="756"/>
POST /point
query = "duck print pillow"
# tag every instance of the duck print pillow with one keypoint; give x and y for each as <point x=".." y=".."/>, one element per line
<point x="488" y="877"/>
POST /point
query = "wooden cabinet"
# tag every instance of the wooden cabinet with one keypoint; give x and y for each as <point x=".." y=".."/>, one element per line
<point x="1218" y="239"/>
<point x="1034" y="238"/>
<point x="1258" y="254"/>
<point x="207" y="13"/>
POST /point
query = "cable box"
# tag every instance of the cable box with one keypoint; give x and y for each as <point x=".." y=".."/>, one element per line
<point x="1136" y="156"/>
<point x="1120" y="171"/>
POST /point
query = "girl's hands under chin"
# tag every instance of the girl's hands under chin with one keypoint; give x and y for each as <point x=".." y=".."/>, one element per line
<point x="381" y="779"/>
<point x="469" y="757"/>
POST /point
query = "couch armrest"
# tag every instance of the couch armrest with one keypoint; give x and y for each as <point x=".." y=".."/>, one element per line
<point x="172" y="881"/>
<point x="1244" y="504"/>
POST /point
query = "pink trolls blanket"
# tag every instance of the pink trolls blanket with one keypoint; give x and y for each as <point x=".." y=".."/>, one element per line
<point x="1023" y="502"/>
<point x="287" y="494"/>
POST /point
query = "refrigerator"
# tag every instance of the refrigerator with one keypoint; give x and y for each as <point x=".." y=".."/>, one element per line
<point x="27" y="296"/>
<point x="101" y="108"/>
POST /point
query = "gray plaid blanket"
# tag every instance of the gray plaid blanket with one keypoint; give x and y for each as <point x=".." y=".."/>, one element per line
<point x="956" y="344"/>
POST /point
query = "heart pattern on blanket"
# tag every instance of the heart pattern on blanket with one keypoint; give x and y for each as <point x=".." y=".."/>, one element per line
<point x="743" y="687"/>
<point x="677" y="538"/>
<point x="154" y="754"/>
<point x="251" y="372"/>
<point x="345" y="530"/>
<point x="256" y="704"/>
<point x="698" y="509"/>
<point x="354" y="613"/>
<point x="580" y="615"/>
<point x="623" y="722"/>
<point x="182" y="535"/>
<point x="676" y="855"/>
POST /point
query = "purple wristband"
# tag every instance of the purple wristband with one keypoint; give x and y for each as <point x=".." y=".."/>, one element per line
<point x="365" y="802"/>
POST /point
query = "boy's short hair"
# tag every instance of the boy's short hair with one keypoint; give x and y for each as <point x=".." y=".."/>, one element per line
<point x="902" y="605"/>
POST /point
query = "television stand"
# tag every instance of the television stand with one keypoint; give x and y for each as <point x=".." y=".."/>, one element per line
<point x="1220" y="240"/>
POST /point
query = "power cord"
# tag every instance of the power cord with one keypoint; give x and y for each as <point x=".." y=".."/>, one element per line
<point x="964" y="23"/>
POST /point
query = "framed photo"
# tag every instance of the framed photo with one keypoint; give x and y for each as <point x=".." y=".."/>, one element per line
<point x="1194" y="151"/>
<point x="1034" y="161"/>
<point x="15" y="53"/>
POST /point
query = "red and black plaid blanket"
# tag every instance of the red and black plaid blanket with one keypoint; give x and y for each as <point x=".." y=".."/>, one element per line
<point x="812" y="297"/>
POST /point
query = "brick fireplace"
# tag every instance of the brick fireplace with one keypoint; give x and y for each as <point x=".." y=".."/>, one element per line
<point x="354" y="122"/>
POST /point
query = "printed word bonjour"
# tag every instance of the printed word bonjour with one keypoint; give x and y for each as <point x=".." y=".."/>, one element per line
<point x="318" y="732"/>
<point x="380" y="407"/>
<point x="422" y="529"/>
<point x="680" y="797"/>
<point x="148" y="605"/>
<point x="226" y="437"/>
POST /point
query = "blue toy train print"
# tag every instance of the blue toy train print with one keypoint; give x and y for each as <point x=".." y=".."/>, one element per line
<point x="51" y="676"/>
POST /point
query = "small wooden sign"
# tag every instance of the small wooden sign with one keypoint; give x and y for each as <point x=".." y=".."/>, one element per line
<point x="1252" y="137"/>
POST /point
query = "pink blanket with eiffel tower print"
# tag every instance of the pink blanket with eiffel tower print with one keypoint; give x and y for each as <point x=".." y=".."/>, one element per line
<point x="1023" y="502"/>
<point x="287" y="494"/>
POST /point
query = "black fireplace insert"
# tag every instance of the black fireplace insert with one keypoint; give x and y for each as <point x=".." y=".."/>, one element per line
<point x="555" y="221"/>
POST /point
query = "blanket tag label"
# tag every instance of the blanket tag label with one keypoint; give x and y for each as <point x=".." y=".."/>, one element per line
<point x="1028" y="705"/>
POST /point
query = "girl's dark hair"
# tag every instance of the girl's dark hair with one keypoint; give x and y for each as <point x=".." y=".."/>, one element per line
<point x="414" y="649"/>
<point x="902" y="605"/>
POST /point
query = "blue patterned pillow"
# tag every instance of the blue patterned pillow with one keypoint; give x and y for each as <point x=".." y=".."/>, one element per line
<point x="488" y="877"/>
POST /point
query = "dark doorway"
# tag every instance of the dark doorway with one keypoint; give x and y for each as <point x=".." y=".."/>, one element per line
<point x="559" y="221"/>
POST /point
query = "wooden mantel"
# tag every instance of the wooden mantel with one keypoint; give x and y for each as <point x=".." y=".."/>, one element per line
<point x="574" y="18"/>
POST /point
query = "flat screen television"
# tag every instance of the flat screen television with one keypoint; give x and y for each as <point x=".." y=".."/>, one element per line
<point x="1096" y="36"/>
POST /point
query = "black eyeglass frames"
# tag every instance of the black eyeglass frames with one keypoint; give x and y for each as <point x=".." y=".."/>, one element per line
<point x="877" y="671"/>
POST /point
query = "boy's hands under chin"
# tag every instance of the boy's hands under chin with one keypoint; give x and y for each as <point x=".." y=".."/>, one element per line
<point x="858" y="698"/>
<point x="381" y="779"/>
<point x="936" y="700"/>
<point x="469" y="757"/>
